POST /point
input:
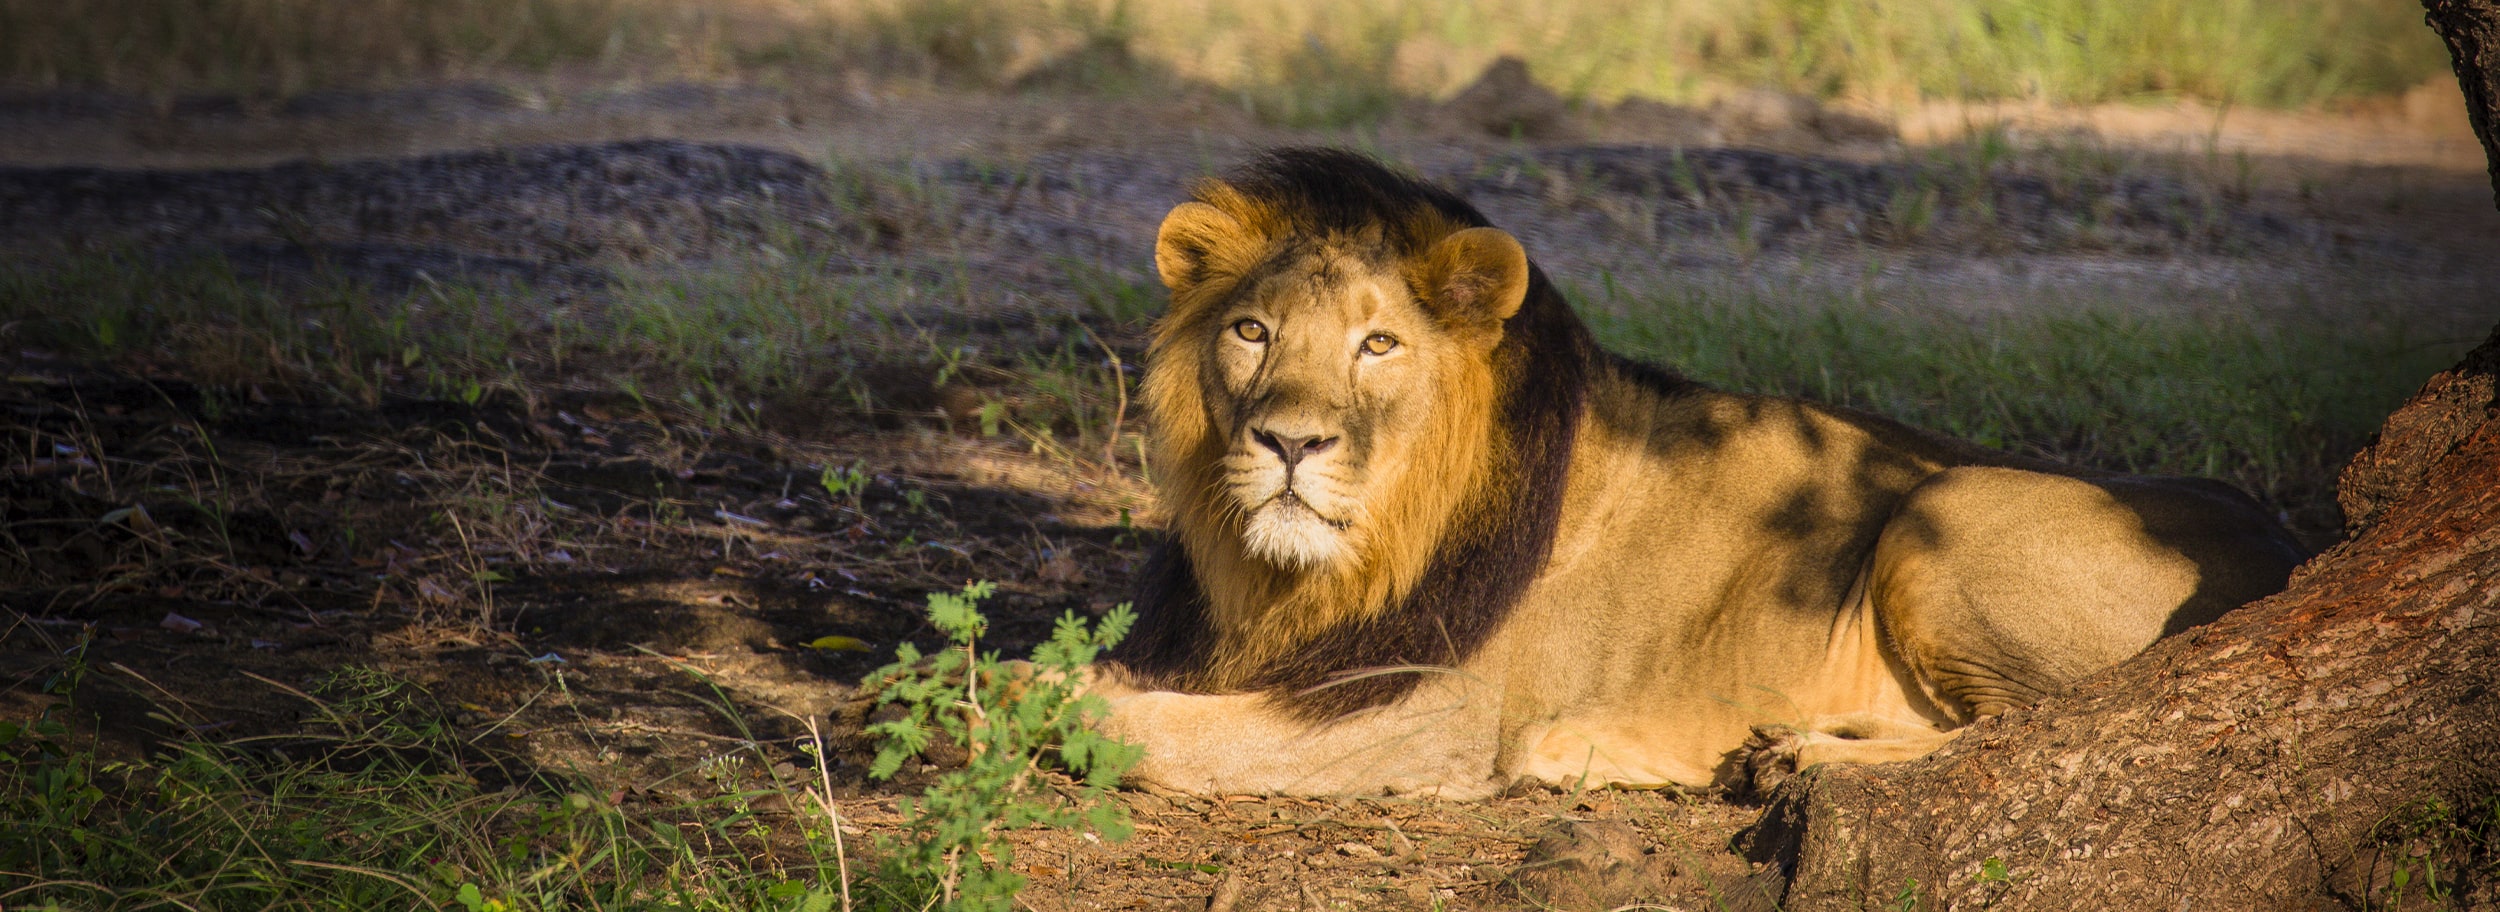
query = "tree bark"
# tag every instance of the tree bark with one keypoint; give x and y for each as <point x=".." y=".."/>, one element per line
<point x="2297" y="754"/>
<point x="2472" y="30"/>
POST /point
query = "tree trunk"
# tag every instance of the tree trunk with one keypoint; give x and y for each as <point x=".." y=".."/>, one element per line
<point x="2333" y="746"/>
<point x="2472" y="30"/>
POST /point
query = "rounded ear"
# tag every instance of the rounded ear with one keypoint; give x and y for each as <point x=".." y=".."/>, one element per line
<point x="1188" y="247"/>
<point x="1476" y="275"/>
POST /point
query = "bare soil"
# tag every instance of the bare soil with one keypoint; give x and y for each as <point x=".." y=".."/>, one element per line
<point x="596" y="587"/>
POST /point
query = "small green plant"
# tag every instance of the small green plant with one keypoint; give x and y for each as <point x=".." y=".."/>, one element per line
<point x="1992" y="877"/>
<point x="844" y="483"/>
<point x="1907" y="899"/>
<point x="47" y="784"/>
<point x="2433" y="848"/>
<point x="1009" y="717"/>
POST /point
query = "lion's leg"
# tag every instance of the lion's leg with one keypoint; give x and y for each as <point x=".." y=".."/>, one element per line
<point x="1998" y="587"/>
<point x="1433" y="741"/>
<point x="1776" y="751"/>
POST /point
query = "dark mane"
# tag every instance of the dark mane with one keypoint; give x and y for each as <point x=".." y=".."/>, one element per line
<point x="1318" y="192"/>
<point x="1501" y="536"/>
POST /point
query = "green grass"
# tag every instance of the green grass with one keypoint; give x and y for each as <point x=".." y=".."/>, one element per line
<point x="736" y="345"/>
<point x="2275" y="406"/>
<point x="2432" y="849"/>
<point x="374" y="804"/>
<point x="1293" y="61"/>
<point x="712" y="341"/>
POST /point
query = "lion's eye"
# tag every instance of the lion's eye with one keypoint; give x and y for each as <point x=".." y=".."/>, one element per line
<point x="1250" y="331"/>
<point x="1379" y="343"/>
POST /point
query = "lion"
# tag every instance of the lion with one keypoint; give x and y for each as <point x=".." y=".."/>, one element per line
<point x="1426" y="536"/>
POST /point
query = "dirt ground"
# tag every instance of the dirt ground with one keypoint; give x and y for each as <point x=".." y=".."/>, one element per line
<point x="595" y="586"/>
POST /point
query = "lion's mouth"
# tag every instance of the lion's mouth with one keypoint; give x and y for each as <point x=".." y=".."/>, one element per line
<point x="1295" y="507"/>
<point x="1285" y="530"/>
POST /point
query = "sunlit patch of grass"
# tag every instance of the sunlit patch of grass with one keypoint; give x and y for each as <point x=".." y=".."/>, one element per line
<point x="2273" y="405"/>
<point x="1300" y="62"/>
<point x="287" y="47"/>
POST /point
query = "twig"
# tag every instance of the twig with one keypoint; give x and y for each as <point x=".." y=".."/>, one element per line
<point x="1119" y="414"/>
<point x="370" y="872"/>
<point x="824" y="798"/>
<point x="169" y="695"/>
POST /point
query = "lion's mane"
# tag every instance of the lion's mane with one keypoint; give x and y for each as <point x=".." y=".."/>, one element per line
<point x="1495" y="538"/>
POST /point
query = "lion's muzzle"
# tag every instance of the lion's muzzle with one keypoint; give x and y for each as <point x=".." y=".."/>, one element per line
<point x="1290" y="482"/>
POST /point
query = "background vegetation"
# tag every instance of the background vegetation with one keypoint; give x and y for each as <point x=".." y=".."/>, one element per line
<point x="377" y="803"/>
<point x="1271" y="55"/>
<point x="2272" y="404"/>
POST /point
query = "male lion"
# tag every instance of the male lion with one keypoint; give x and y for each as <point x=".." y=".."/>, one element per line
<point x="1427" y="536"/>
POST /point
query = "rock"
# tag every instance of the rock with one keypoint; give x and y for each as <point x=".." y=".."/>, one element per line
<point x="1652" y="121"/>
<point x="1776" y="118"/>
<point x="1765" y="113"/>
<point x="1507" y="102"/>
<point x="1844" y="127"/>
<point x="1587" y="864"/>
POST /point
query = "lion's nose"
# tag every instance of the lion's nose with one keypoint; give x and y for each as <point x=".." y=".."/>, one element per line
<point x="1291" y="447"/>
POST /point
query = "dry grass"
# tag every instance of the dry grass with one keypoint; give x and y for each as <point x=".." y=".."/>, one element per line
<point x="1294" y="60"/>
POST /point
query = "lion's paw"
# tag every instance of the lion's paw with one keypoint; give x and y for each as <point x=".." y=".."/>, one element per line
<point x="1768" y="758"/>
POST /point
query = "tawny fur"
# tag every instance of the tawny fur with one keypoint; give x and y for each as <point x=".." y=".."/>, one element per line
<point x="1703" y="586"/>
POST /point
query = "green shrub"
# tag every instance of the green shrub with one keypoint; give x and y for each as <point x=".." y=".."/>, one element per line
<point x="1009" y="717"/>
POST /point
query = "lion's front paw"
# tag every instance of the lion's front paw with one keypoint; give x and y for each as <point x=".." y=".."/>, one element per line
<point x="1768" y="758"/>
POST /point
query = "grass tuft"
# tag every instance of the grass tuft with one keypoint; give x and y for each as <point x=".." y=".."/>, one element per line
<point x="375" y="803"/>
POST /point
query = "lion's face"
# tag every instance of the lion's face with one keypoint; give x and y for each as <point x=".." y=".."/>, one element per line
<point x="1342" y="393"/>
<point x="1325" y="378"/>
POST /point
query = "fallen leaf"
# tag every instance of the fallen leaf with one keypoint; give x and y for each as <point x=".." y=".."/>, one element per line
<point x="1063" y="569"/>
<point x="179" y="624"/>
<point x="838" y="644"/>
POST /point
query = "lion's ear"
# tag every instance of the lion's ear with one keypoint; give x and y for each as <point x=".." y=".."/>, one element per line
<point x="1479" y="274"/>
<point x="1193" y="243"/>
